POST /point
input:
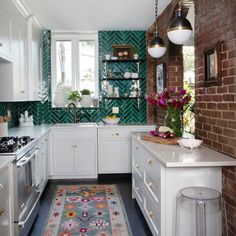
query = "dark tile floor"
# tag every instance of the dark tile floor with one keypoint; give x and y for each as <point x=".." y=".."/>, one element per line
<point x="137" y="222"/>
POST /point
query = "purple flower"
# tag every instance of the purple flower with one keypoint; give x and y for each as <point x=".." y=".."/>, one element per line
<point x="182" y="92"/>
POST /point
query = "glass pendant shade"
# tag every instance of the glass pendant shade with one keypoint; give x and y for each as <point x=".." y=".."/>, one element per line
<point x="180" y="29"/>
<point x="156" y="48"/>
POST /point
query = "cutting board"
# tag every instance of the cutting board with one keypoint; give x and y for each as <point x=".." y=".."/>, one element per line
<point x="156" y="139"/>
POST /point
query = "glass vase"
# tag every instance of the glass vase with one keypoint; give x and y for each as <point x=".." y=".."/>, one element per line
<point x="174" y="120"/>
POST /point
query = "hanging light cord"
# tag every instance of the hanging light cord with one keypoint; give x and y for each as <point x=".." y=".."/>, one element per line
<point x="156" y="11"/>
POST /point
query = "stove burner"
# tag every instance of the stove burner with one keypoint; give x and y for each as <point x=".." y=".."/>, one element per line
<point x="11" y="144"/>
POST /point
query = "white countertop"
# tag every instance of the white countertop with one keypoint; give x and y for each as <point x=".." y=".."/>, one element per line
<point x="4" y="160"/>
<point x="34" y="131"/>
<point x="175" y="156"/>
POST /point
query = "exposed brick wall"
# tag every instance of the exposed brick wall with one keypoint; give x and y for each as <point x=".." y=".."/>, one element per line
<point x="173" y="59"/>
<point x="216" y="106"/>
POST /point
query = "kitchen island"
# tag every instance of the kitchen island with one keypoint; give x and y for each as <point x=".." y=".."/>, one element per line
<point x="160" y="171"/>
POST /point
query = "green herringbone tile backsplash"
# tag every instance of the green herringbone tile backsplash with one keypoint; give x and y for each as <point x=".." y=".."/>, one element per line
<point x="129" y="111"/>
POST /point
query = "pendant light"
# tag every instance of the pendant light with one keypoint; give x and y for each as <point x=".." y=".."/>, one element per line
<point x="180" y="29"/>
<point x="156" y="47"/>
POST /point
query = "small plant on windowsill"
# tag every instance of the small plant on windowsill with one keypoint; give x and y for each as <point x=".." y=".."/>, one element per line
<point x="86" y="99"/>
<point x="74" y="96"/>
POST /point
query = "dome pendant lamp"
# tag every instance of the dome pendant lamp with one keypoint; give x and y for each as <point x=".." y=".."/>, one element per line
<point x="180" y="29"/>
<point x="156" y="47"/>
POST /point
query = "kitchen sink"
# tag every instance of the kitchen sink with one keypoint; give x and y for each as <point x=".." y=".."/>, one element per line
<point x="76" y="125"/>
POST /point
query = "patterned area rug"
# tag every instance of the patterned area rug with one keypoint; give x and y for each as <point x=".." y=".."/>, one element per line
<point x="87" y="210"/>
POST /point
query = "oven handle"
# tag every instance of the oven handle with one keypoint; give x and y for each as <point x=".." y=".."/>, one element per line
<point x="22" y="223"/>
<point x="26" y="160"/>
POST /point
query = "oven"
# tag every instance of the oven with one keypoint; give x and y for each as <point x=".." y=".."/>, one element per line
<point x="26" y="185"/>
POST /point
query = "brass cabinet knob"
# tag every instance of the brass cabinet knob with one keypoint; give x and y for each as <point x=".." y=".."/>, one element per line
<point x="150" y="214"/>
<point x="115" y="134"/>
<point x="136" y="147"/>
<point x="137" y="166"/>
<point x="149" y="161"/>
<point x="150" y="185"/>
<point x="2" y="211"/>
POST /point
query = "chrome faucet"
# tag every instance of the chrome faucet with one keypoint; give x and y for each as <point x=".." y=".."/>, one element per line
<point x="75" y="111"/>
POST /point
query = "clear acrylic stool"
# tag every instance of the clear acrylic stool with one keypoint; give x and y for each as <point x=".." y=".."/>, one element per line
<point x="199" y="212"/>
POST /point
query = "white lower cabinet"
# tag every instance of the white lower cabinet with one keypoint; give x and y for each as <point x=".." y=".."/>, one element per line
<point x="74" y="153"/>
<point x="6" y="202"/>
<point x="155" y="187"/>
<point x="114" y="148"/>
<point x="43" y="160"/>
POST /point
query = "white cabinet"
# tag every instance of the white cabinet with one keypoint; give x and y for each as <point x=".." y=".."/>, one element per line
<point x="20" y="47"/>
<point x="43" y="160"/>
<point x="156" y="186"/>
<point x="74" y="152"/>
<point x="33" y="58"/>
<point x="6" y="203"/>
<point x="5" y="35"/>
<point x="114" y="148"/>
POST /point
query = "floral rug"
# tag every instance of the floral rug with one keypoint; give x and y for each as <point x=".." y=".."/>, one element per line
<point x="87" y="210"/>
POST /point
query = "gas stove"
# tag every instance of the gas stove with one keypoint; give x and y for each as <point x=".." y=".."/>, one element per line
<point x="13" y="144"/>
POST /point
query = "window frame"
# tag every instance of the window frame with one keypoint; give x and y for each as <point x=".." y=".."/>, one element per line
<point x="75" y="38"/>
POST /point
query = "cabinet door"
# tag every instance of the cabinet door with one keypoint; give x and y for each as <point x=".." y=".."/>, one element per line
<point x="85" y="158"/>
<point x="5" y="223"/>
<point x="115" y="156"/>
<point x="5" y="35"/>
<point x="63" y="157"/>
<point x="19" y="62"/>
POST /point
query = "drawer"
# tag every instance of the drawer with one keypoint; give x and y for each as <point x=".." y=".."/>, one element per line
<point x="4" y="184"/>
<point x="151" y="165"/>
<point x="137" y="167"/>
<point x="137" y="189"/>
<point x="114" y="133"/>
<point x="153" y="187"/>
<point x="152" y="215"/>
<point x="79" y="133"/>
<point x="5" y="223"/>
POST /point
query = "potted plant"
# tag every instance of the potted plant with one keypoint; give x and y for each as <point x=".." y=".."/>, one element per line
<point x="86" y="99"/>
<point x="74" y="97"/>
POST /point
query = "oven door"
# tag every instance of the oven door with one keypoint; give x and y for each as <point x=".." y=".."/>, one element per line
<point x="27" y="188"/>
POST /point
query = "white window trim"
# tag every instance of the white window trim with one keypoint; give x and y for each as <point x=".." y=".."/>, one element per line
<point x="74" y="37"/>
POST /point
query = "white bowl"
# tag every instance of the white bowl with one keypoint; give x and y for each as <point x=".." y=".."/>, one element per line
<point x="189" y="143"/>
<point x="111" y="121"/>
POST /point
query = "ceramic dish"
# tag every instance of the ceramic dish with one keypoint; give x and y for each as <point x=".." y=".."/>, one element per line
<point x="189" y="143"/>
<point x="108" y="121"/>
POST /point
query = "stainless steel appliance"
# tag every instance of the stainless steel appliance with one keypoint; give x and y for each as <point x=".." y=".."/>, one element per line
<point x="26" y="180"/>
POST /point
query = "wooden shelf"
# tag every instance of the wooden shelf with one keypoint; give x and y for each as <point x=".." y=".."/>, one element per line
<point x="115" y="79"/>
<point x="123" y="97"/>
<point x="123" y="60"/>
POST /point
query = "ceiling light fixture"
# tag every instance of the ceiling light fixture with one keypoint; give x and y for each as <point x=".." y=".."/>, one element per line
<point x="156" y="47"/>
<point x="180" y="29"/>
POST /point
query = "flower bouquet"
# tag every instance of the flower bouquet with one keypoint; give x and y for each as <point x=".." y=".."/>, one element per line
<point x="174" y="103"/>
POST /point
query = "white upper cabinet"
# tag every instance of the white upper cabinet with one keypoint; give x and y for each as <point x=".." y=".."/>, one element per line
<point x="20" y="39"/>
<point x="5" y="35"/>
<point x="34" y="57"/>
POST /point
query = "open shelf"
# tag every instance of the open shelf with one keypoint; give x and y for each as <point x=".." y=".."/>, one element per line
<point x="121" y="78"/>
<point x="123" y="60"/>
<point x="123" y="97"/>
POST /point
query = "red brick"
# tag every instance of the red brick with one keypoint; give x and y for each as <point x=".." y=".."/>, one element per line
<point x="228" y="132"/>
<point x="230" y="115"/>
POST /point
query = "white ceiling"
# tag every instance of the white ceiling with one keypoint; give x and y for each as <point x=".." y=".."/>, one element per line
<point x="93" y="15"/>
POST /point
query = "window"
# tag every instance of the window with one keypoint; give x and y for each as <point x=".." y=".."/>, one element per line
<point x="74" y="63"/>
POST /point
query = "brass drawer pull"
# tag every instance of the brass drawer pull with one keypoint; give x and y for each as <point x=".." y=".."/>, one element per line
<point x="150" y="185"/>
<point x="1" y="211"/>
<point x="149" y="161"/>
<point x="150" y="214"/>
<point x="115" y="134"/>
